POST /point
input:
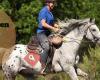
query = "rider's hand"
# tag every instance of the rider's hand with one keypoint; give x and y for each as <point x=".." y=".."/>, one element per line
<point x="56" y="25"/>
<point x="55" y="29"/>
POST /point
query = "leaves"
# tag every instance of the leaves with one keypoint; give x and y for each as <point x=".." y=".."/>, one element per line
<point x="24" y="13"/>
<point x="91" y="65"/>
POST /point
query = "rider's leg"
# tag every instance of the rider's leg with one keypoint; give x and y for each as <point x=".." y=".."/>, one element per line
<point x="43" y="40"/>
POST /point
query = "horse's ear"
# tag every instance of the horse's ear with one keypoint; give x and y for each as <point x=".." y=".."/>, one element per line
<point x="92" y="20"/>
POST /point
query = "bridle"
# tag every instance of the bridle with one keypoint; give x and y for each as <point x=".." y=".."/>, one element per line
<point x="88" y="28"/>
<point x="94" y="37"/>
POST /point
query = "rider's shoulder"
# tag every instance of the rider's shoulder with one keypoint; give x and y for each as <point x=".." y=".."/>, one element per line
<point x="44" y="9"/>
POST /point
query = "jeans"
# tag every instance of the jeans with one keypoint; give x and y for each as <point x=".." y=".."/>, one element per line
<point x="44" y="43"/>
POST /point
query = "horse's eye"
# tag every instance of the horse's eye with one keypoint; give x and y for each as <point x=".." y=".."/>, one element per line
<point x="93" y="29"/>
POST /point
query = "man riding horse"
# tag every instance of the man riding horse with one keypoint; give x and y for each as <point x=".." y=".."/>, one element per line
<point x="45" y="26"/>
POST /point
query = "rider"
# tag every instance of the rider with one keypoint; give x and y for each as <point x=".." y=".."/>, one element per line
<point x="46" y="25"/>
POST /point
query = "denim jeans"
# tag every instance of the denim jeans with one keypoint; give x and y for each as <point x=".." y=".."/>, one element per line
<point x="44" y="43"/>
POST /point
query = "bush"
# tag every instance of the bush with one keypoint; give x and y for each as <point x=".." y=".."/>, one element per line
<point x="92" y="65"/>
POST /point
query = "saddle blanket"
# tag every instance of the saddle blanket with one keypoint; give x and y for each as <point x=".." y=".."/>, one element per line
<point x="32" y="58"/>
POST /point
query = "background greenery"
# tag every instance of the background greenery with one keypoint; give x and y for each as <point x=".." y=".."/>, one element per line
<point x="24" y="14"/>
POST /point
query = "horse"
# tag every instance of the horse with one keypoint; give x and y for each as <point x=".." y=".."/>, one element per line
<point x="65" y="57"/>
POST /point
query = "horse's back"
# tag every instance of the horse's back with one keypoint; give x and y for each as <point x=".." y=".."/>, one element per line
<point x="13" y="51"/>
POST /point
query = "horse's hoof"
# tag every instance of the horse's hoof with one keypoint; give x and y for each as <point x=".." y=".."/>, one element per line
<point x="85" y="75"/>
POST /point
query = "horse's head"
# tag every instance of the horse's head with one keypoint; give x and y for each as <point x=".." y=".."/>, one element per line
<point x="86" y="26"/>
<point x="92" y="32"/>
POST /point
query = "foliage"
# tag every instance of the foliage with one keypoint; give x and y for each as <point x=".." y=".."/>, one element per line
<point x="91" y="65"/>
<point x="24" y="13"/>
<point x="77" y="9"/>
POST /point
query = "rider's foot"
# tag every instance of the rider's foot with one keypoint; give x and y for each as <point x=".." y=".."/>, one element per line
<point x="42" y="72"/>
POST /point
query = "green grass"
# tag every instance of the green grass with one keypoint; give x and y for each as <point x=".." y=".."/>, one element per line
<point x="90" y="65"/>
<point x="1" y="75"/>
<point x="56" y="76"/>
<point x="18" y="77"/>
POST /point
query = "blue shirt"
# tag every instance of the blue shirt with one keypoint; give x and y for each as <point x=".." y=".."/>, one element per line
<point x="47" y="16"/>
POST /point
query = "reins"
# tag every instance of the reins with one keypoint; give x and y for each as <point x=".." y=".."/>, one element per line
<point x="74" y="40"/>
<point x="94" y="37"/>
<point x="77" y="40"/>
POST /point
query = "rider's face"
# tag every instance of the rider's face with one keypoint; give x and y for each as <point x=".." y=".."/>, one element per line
<point x="51" y="5"/>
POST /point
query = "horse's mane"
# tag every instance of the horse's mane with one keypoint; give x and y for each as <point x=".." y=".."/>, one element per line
<point x="68" y="25"/>
<point x="67" y="22"/>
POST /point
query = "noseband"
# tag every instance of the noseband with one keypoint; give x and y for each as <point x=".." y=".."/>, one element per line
<point x="94" y="37"/>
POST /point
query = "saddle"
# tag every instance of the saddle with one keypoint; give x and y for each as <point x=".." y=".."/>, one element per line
<point x="54" y="41"/>
<point x="34" y="45"/>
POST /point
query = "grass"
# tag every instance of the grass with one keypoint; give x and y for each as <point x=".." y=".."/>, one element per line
<point x="19" y="77"/>
<point x="1" y="75"/>
<point x="55" y="76"/>
<point x="90" y="65"/>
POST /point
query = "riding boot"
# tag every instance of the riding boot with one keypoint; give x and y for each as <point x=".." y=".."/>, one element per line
<point x="43" y="62"/>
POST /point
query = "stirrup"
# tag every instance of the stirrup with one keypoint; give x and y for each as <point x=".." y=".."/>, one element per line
<point x="42" y="72"/>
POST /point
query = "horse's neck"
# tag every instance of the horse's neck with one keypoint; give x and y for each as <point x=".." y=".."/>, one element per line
<point x="75" y="35"/>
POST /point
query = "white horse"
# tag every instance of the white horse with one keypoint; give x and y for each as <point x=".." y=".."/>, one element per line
<point x="65" y="57"/>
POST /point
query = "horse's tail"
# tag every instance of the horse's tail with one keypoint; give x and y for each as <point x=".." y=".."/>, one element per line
<point x="2" y="52"/>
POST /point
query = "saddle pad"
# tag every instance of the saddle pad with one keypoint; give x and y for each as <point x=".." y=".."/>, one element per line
<point x="32" y="58"/>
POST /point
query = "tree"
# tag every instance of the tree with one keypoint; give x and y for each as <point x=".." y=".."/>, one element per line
<point x="78" y="9"/>
<point x="24" y="14"/>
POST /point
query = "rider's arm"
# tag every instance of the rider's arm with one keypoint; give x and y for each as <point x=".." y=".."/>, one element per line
<point x="45" y="25"/>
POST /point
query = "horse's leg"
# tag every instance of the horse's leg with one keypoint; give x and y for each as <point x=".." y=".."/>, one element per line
<point x="55" y="64"/>
<point x="71" y="71"/>
<point x="77" y="59"/>
<point x="56" y="67"/>
<point x="7" y="74"/>
<point x="68" y="67"/>
<point x="11" y="67"/>
<point x="81" y="73"/>
<point x="78" y="70"/>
